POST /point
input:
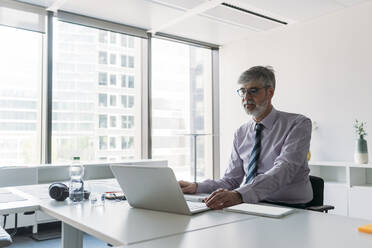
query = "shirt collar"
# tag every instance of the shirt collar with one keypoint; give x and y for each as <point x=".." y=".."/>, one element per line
<point x="269" y="120"/>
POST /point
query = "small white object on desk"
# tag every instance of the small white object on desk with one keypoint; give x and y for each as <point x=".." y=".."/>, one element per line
<point x="261" y="210"/>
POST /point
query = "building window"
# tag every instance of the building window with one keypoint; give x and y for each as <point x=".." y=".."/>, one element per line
<point x="102" y="121"/>
<point x="123" y="81"/>
<point x="124" y="122"/>
<point x="124" y="60"/>
<point x="102" y="100"/>
<point x="131" y="61"/>
<point x="102" y="78"/>
<point x="123" y="40"/>
<point x="130" y="101"/>
<point x="103" y="142"/>
<point x="131" y="42"/>
<point x="112" y="79"/>
<point x="102" y="58"/>
<point x="113" y="121"/>
<point x="124" y="102"/>
<point x="112" y="143"/>
<point x="112" y="38"/>
<point x="131" y="142"/>
<point x="102" y="36"/>
<point x="130" y="121"/>
<point x="113" y="59"/>
<point x="112" y="100"/>
<point x="130" y="81"/>
<point x="127" y="142"/>
<point x="82" y="107"/>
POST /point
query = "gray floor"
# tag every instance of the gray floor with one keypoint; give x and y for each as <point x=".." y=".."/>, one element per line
<point x="23" y="241"/>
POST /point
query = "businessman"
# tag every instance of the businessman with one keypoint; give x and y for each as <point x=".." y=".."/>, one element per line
<point x="269" y="156"/>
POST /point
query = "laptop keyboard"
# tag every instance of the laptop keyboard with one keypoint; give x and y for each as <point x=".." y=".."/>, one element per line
<point x="196" y="205"/>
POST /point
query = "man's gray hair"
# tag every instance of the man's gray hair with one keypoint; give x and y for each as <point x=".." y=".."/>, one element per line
<point x="263" y="74"/>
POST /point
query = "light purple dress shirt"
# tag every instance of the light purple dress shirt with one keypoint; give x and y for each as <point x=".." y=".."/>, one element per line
<point x="282" y="169"/>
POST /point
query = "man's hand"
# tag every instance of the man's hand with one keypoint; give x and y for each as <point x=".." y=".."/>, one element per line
<point x="223" y="198"/>
<point x="187" y="187"/>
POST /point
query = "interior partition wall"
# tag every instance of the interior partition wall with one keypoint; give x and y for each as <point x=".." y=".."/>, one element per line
<point x="82" y="86"/>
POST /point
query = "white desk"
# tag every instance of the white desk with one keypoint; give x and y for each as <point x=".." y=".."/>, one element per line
<point x="119" y="224"/>
<point x="305" y="229"/>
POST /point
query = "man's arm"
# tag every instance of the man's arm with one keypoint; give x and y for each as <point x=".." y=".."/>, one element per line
<point x="291" y="159"/>
<point x="233" y="176"/>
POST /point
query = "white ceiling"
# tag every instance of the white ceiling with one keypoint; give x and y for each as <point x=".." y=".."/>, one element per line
<point x="204" y="20"/>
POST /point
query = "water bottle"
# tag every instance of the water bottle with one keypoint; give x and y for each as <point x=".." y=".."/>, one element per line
<point x="76" y="193"/>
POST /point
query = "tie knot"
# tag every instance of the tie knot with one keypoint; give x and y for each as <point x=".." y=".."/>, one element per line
<point x="258" y="127"/>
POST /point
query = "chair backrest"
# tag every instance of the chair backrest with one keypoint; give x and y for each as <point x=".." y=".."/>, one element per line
<point x="317" y="184"/>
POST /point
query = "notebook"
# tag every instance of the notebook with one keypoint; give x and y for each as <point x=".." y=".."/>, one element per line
<point x="261" y="210"/>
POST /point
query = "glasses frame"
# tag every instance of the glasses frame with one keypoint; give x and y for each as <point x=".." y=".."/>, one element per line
<point x="249" y="91"/>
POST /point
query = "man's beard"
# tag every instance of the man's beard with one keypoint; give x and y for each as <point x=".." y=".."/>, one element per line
<point x="259" y="108"/>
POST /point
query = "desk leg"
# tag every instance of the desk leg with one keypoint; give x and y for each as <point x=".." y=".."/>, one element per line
<point x="71" y="237"/>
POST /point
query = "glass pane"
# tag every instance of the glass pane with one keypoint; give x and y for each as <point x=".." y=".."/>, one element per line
<point x="182" y="107"/>
<point x="21" y="54"/>
<point x="90" y="84"/>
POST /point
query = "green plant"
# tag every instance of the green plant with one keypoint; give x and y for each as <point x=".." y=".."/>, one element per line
<point x="359" y="128"/>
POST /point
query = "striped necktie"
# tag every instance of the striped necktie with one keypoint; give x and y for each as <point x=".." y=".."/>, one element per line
<point x="255" y="154"/>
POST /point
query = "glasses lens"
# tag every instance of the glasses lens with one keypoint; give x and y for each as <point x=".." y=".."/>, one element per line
<point x="241" y="92"/>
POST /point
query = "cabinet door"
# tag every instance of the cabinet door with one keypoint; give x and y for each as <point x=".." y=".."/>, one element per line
<point x="360" y="202"/>
<point x="336" y="194"/>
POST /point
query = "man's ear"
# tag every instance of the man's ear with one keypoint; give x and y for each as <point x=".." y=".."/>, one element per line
<point x="270" y="92"/>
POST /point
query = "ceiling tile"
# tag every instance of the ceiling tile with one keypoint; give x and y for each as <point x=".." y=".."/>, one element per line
<point x="182" y="4"/>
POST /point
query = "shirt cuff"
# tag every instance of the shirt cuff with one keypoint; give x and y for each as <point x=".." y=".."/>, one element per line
<point x="248" y="194"/>
<point x="203" y="187"/>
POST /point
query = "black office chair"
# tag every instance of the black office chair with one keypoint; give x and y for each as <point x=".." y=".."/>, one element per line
<point x="316" y="204"/>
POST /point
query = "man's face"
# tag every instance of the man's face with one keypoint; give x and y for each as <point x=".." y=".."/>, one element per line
<point x="256" y="99"/>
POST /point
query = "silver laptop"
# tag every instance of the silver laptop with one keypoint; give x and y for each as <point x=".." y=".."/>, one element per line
<point x="154" y="188"/>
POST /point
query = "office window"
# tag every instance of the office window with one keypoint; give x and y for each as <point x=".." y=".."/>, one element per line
<point x="112" y="38"/>
<point x="113" y="59"/>
<point x="75" y="89"/>
<point x="102" y="36"/>
<point x="130" y="101"/>
<point x="124" y="60"/>
<point x="21" y="54"/>
<point x="181" y="106"/>
<point x="102" y="100"/>
<point x="102" y="78"/>
<point x="113" y="79"/>
<point x="124" y="143"/>
<point x="103" y="142"/>
<point x="113" y="121"/>
<point x="130" y="61"/>
<point x="102" y="58"/>
<point x="123" y="81"/>
<point x="112" y="100"/>
<point x="130" y="81"/>
<point x="124" y="102"/>
<point x="102" y="121"/>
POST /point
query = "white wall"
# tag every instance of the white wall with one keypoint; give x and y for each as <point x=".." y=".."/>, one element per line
<point x="323" y="70"/>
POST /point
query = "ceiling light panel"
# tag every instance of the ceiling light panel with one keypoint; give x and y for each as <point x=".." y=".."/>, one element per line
<point x="240" y="18"/>
<point x="298" y="10"/>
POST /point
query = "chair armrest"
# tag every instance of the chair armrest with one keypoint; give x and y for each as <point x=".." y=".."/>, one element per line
<point x="5" y="239"/>
<point x="323" y="208"/>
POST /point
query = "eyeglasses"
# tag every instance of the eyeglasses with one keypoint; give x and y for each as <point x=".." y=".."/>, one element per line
<point x="242" y="92"/>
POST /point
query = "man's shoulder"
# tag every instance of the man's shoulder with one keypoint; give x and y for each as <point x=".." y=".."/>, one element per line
<point x="244" y="127"/>
<point x="292" y="117"/>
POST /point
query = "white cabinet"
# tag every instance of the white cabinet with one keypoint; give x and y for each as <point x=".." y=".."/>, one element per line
<point x="347" y="186"/>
